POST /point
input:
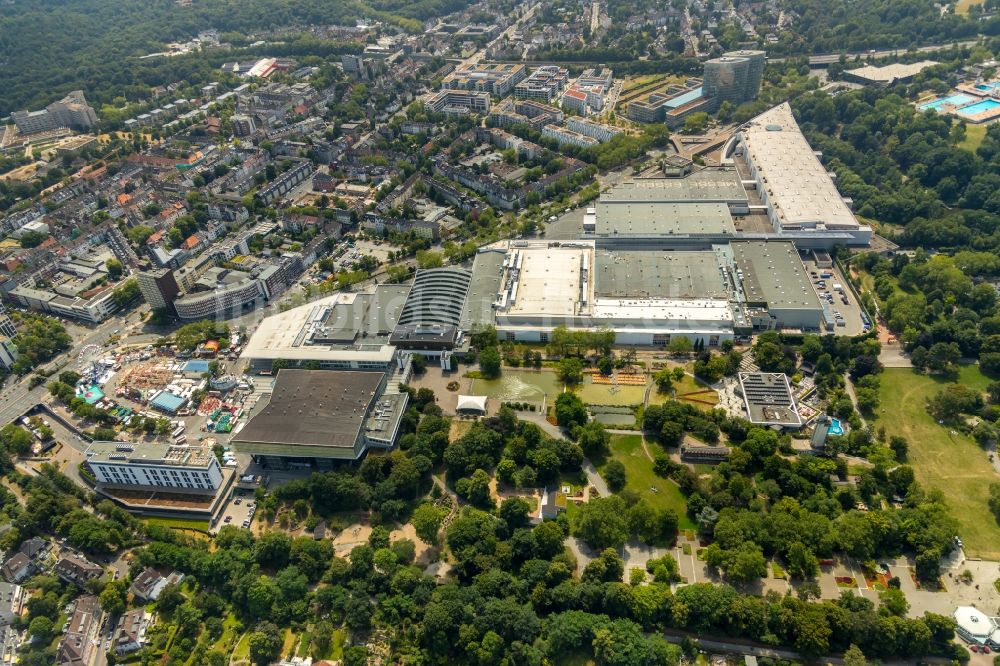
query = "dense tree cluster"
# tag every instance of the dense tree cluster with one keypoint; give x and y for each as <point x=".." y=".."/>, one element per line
<point x="39" y="339"/>
<point x="841" y="26"/>
<point x="96" y="44"/>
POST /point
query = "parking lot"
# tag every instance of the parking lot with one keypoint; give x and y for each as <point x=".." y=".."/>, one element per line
<point x="847" y="311"/>
<point x="239" y="513"/>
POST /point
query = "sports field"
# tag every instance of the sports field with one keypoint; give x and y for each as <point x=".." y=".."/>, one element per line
<point x="942" y="458"/>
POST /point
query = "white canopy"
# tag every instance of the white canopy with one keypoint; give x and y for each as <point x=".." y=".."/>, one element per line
<point x="471" y="403"/>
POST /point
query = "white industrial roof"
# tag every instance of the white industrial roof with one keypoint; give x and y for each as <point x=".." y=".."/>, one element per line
<point x="275" y="337"/>
<point x="796" y="184"/>
<point x="889" y="73"/>
<point x="549" y="280"/>
<point x="977" y="624"/>
<point x="660" y="311"/>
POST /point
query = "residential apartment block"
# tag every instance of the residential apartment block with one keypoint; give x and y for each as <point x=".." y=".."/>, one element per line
<point x="544" y="84"/>
<point x="459" y="102"/>
<point x="496" y="79"/>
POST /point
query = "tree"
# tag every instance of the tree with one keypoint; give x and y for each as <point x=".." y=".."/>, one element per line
<point x="112" y="598"/>
<point x="514" y="511"/>
<point x="322" y="638"/>
<point x="664" y="380"/>
<point x="593" y="439"/>
<point x="115" y="268"/>
<point x="476" y="489"/>
<point x="169" y="599"/>
<point x="696" y="123"/>
<point x="854" y="656"/>
<point x="900" y="447"/>
<point x="801" y="562"/>
<point x="15" y="439"/>
<point x="680" y="344"/>
<point x="31" y="239"/>
<point x="601" y="522"/>
<point x="570" y="410"/>
<point x="489" y="362"/>
<point x="426" y="521"/>
<point x="429" y="259"/>
<point x="265" y="644"/>
<point x="614" y="474"/>
<point x="41" y="628"/>
<point x="570" y="370"/>
<point x="893" y="601"/>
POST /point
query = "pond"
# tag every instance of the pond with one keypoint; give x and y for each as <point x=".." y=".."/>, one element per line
<point x="531" y="385"/>
<point x="515" y="385"/>
<point x="615" y="419"/>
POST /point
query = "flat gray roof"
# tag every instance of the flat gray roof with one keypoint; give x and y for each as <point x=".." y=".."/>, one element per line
<point x="675" y="275"/>
<point x="704" y="186"/>
<point x="772" y="272"/>
<point x="321" y="408"/>
<point x="768" y="399"/>
<point x="369" y="315"/>
<point x="652" y="218"/>
<point x="483" y="289"/>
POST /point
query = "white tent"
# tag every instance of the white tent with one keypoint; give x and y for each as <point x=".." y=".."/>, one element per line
<point x="471" y="403"/>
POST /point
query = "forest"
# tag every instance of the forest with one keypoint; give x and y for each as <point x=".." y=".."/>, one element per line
<point x="50" y="47"/>
<point x="841" y="26"/>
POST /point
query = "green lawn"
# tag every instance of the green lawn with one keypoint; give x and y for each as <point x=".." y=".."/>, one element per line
<point x="228" y="633"/>
<point x="242" y="649"/>
<point x="974" y="135"/>
<point x="951" y="463"/>
<point x="337" y="644"/>
<point x="641" y="479"/>
<point x="688" y="390"/>
<point x="179" y="523"/>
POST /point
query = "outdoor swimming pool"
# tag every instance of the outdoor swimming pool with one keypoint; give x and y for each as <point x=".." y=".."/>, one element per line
<point x="979" y="107"/>
<point x="835" y="427"/>
<point x="953" y="100"/>
<point x="988" y="86"/>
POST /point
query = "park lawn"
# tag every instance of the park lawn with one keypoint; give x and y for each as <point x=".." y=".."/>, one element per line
<point x="458" y="428"/>
<point x="291" y="641"/>
<point x="951" y="463"/>
<point x="304" y="642"/>
<point x="639" y="477"/>
<point x="690" y="390"/>
<point x="337" y="645"/>
<point x="974" y="135"/>
<point x="228" y="634"/>
<point x="242" y="649"/>
<point x="179" y="523"/>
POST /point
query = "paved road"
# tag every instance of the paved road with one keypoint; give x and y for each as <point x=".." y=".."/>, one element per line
<point x="893" y="356"/>
<point x="18" y="398"/>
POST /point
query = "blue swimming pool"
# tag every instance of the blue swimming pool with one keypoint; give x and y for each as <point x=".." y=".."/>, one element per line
<point x="835" y="427"/>
<point x="951" y="100"/>
<point x="988" y="86"/>
<point x="979" y="107"/>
